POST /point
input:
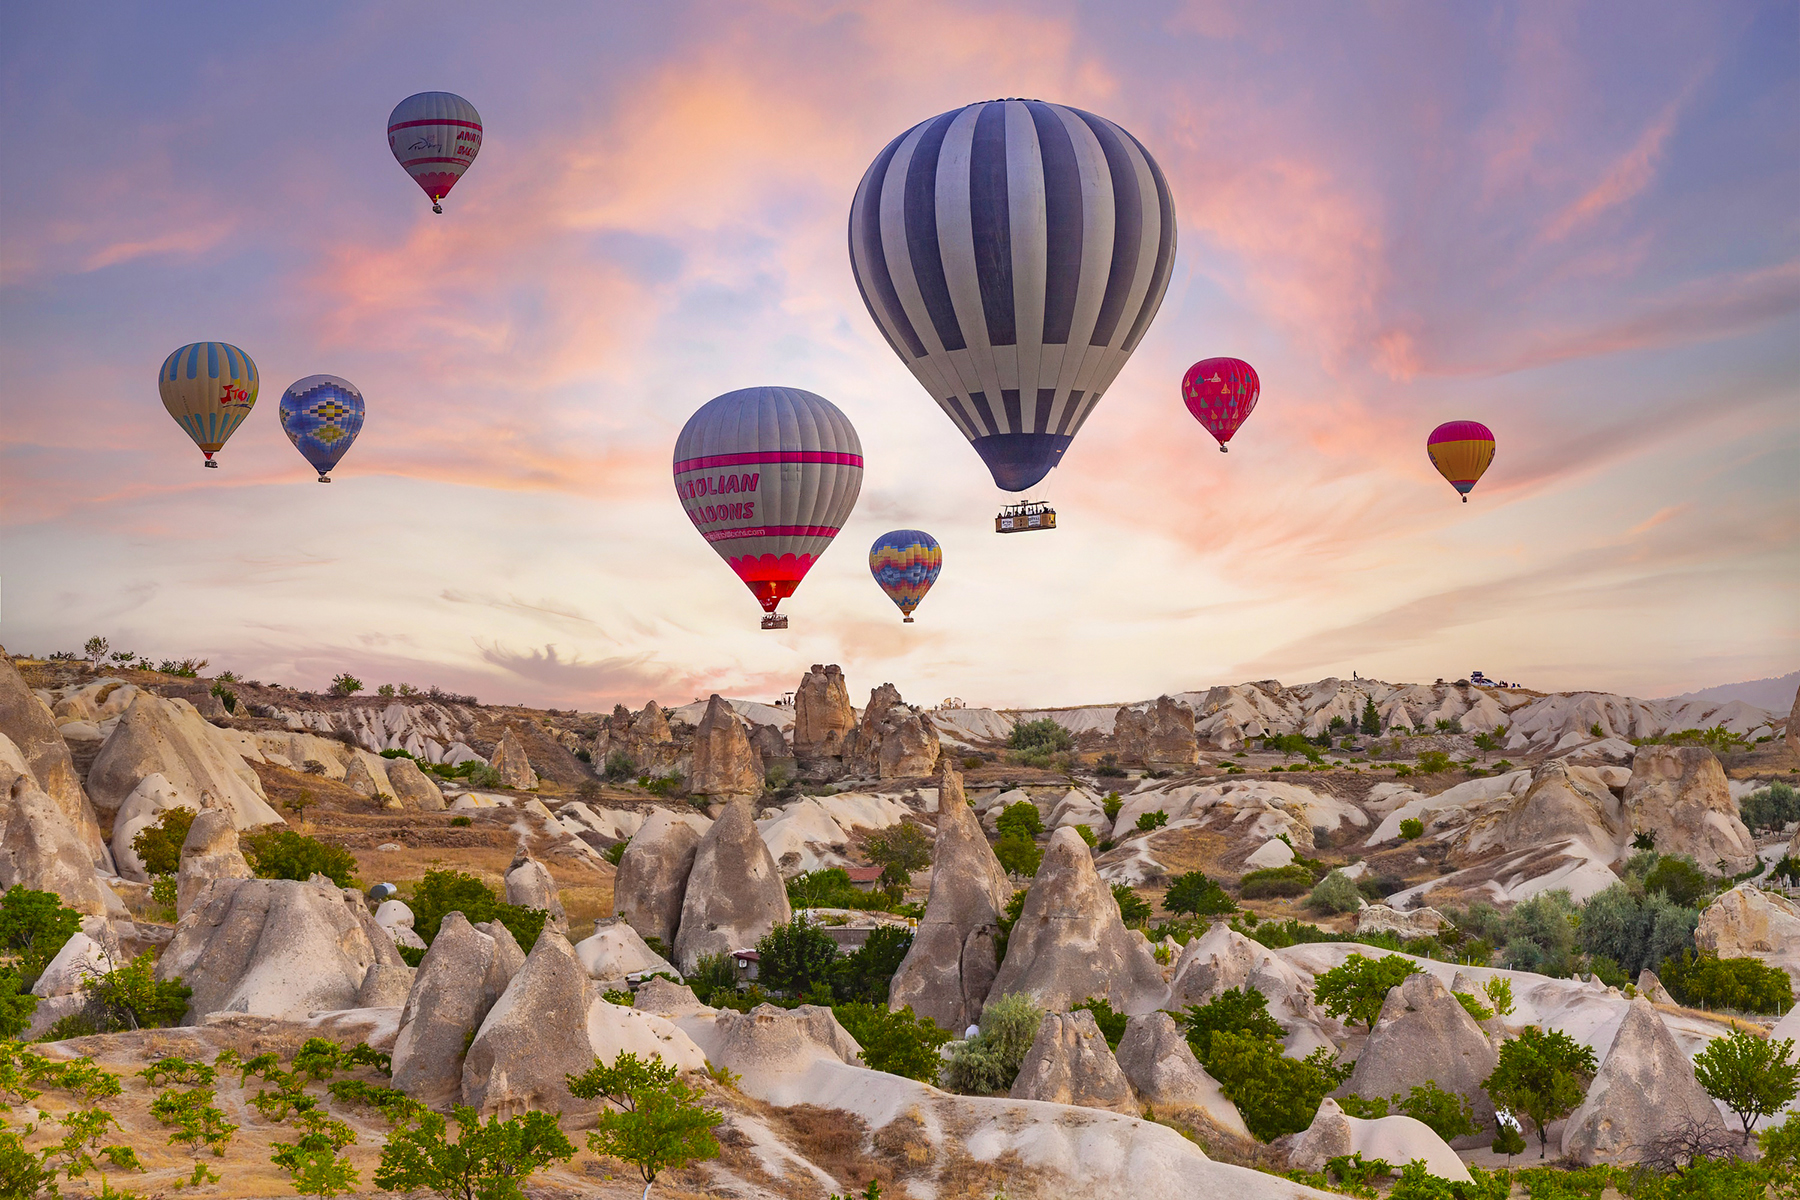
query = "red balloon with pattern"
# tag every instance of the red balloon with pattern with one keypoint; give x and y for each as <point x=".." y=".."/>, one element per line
<point x="1221" y="393"/>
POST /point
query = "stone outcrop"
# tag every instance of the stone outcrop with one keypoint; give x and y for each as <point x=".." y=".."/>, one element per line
<point x="533" y="1038"/>
<point x="653" y="875"/>
<point x="169" y="738"/>
<point x="80" y="959"/>
<point x="658" y="996"/>
<point x="1644" y="1089"/>
<point x="1069" y="1063"/>
<point x="1562" y="803"/>
<point x="615" y="951"/>
<point x="780" y="1040"/>
<point x="894" y="740"/>
<point x="385" y="986"/>
<point x="1410" y="923"/>
<point x="1425" y="1035"/>
<point x="1162" y="1070"/>
<point x="1161" y="735"/>
<point x="1747" y="922"/>
<point x="771" y="746"/>
<point x="359" y="779"/>
<point x="43" y="850"/>
<point x="735" y="894"/>
<point x="458" y="981"/>
<point x="209" y="854"/>
<point x="32" y="730"/>
<point x="645" y="738"/>
<point x="528" y="884"/>
<point x="1223" y="959"/>
<point x="1681" y="793"/>
<point x="412" y="788"/>
<point x="146" y="805"/>
<point x="1069" y="942"/>
<point x="1792" y="737"/>
<point x="1652" y="989"/>
<point x="1395" y="1139"/>
<point x="725" y="763"/>
<point x="274" y="948"/>
<point x="822" y="714"/>
<point x="511" y="760"/>
<point x="947" y="972"/>
<point x="397" y="919"/>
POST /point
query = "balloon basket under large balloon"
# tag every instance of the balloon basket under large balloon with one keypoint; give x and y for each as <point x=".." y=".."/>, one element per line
<point x="210" y="463"/>
<point x="774" y="621"/>
<point x="1224" y="449"/>
<point x="324" y="479"/>
<point x="437" y="208"/>
<point x="906" y="620"/>
<point x="1025" y="518"/>
<point x="1465" y="499"/>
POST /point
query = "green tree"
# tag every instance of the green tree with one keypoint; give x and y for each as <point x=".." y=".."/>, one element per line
<point x="1746" y="984"/>
<point x="159" y="844"/>
<point x="1358" y="988"/>
<point x="1499" y="994"/>
<point x="659" y="1122"/>
<point x="488" y="1161"/>
<point x="988" y="1063"/>
<point x="1371" y="719"/>
<point x="1751" y="1074"/>
<point x="898" y="850"/>
<point x="1276" y="1094"/>
<point x="345" y="684"/>
<point x="313" y="1163"/>
<point x="1236" y="1010"/>
<point x="17" y="1004"/>
<point x="794" y="956"/>
<point x="1197" y="894"/>
<point x="1020" y="856"/>
<point x="1542" y="1075"/>
<point x="900" y="1042"/>
<point x="1679" y="878"/>
<point x="443" y="892"/>
<point x="1042" y="736"/>
<point x="1019" y="819"/>
<point x="1508" y="1142"/>
<point x="1336" y="893"/>
<point x="34" y="926"/>
<point x="129" y="996"/>
<point x="284" y="854"/>
<point x="1412" y="828"/>
<point x="866" y="974"/>
<point x="1133" y="909"/>
<point x="1635" y="929"/>
<point x="198" y="1124"/>
<point x="1448" y="1114"/>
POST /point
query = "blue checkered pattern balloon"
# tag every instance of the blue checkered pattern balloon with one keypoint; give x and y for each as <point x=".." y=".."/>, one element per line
<point x="322" y="415"/>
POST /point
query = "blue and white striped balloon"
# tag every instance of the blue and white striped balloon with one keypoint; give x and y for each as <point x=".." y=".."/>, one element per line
<point x="1013" y="253"/>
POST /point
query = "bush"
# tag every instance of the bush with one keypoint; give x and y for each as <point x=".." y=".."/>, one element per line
<point x="346" y="684"/>
<point x="1236" y="1010"/>
<point x="1196" y="894"/>
<point x="17" y="1004"/>
<point x="1449" y="1115"/>
<point x="898" y="850"/>
<point x="988" y="1063"/>
<point x="461" y="822"/>
<point x="1411" y="828"/>
<point x="1358" y="988"/>
<point x="1111" y="805"/>
<point x="619" y="768"/>
<point x="830" y="887"/>
<point x="284" y="854"/>
<point x="1539" y="935"/>
<point x="1771" y="808"/>
<point x="1679" y="878"/>
<point x="900" y="1043"/>
<point x="443" y="892"/>
<point x="865" y="975"/>
<point x="1744" y="984"/>
<point x="1292" y="744"/>
<point x="1476" y="1009"/>
<point x="1042" y="736"/>
<point x="491" y="1161"/>
<point x="1020" y="856"/>
<point x="713" y="976"/>
<point x="1276" y="1094"/>
<point x="34" y="926"/>
<point x="130" y="997"/>
<point x="1291" y="880"/>
<point x="1636" y="931"/>
<point x="1019" y="819"/>
<point x="1336" y="893"/>
<point x="1156" y="818"/>
<point x="1133" y="909"/>
<point x="1432" y="762"/>
<point x="795" y="956"/>
<point x="1451" y="725"/>
<point x="159" y="845"/>
<point x="1110" y="1022"/>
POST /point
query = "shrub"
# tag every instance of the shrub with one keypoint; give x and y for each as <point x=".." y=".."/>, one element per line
<point x="899" y="850"/>
<point x="1449" y="1115"/>
<point x="1276" y="1094"/>
<point x="616" y="851"/>
<point x="1292" y="744"/>
<point x="1745" y="984"/>
<point x="1110" y="1022"/>
<point x="461" y="822"/>
<point x="1111" y="805"/>
<point x="1042" y="735"/>
<point x="1539" y="935"/>
<point x="1009" y="917"/>
<point x="794" y="956"/>
<point x="1371" y="718"/>
<point x="130" y="997"/>
<point x="988" y="1063"/>
<point x="1543" y="1076"/>
<point x="900" y="1043"/>
<point x="1020" y="856"/>
<point x="1019" y="819"/>
<point x="973" y="762"/>
<point x="34" y="926"/>
<point x="444" y="892"/>
<point x="713" y="976"/>
<point x="1475" y="1008"/>
<point x="1411" y="828"/>
<point x="491" y="1161"/>
<point x="866" y="974"/>
<point x="1236" y="1010"/>
<point x="1087" y="835"/>
<point x="619" y="768"/>
<point x="1336" y="893"/>
<point x="662" y="785"/>
<point x="159" y="845"/>
<point x="1432" y="762"/>
<point x="1771" y="808"/>
<point x="1636" y="931"/>
<point x="1197" y="894"/>
<point x="284" y="854"/>
<point x="17" y="1004"/>
<point x="1751" y="1074"/>
<point x="1154" y="819"/>
<point x="1291" y="880"/>
<point x="829" y="887"/>
<point x="1133" y="909"/>
<point x="1449" y="725"/>
<point x="1679" y="878"/>
<point x="345" y="684"/>
<point x="1357" y="988"/>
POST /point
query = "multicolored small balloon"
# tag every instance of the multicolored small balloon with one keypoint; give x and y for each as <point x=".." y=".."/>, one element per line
<point x="1461" y="451"/>
<point x="435" y="136"/>
<point x="209" y="388"/>
<point x="1221" y="393"/>
<point x="905" y="563"/>
<point x="322" y="414"/>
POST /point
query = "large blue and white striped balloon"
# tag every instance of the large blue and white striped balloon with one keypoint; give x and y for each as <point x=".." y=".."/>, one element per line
<point x="1014" y="252"/>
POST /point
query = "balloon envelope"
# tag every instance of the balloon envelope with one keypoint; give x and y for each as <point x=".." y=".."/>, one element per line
<point x="435" y="136"/>
<point x="322" y="414"/>
<point x="905" y="563"/>
<point x="768" y="476"/>
<point x="1461" y="451"/>
<point x="1013" y="253"/>
<point x="1221" y="393"/>
<point x="209" y="388"/>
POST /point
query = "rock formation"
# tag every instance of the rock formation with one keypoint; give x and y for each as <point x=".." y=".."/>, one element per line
<point x="458" y="981"/>
<point x="725" y="764"/>
<point x="947" y="972"/>
<point x="1562" y="803"/>
<point x="1792" y="736"/>
<point x="653" y="875"/>
<point x="1223" y="959"/>
<point x="734" y="895"/>
<point x="168" y="738"/>
<point x="513" y="763"/>
<point x="822" y="715"/>
<point x="646" y="739"/>
<point x="658" y="996"/>
<point x="46" y="852"/>
<point x="1069" y="942"/>
<point x="533" y="1038"/>
<point x="1396" y="1139"/>
<point x="1413" y="923"/>
<point x="359" y="779"/>
<point x="615" y="951"/>
<point x="80" y="959"/>
<point x="771" y="746"/>
<point x="385" y="986"/>
<point x="1644" y="1089"/>
<point x="1747" y="922"/>
<point x="1681" y="793"/>
<point x="894" y="740"/>
<point x="210" y="853"/>
<point x="274" y="948"/>
<point x="32" y="730"/>
<point x="1160" y="736"/>
<point x="770" y="1039"/>
<point x="1423" y="1035"/>
<point x="149" y="800"/>
<point x="528" y="884"/>
<point x="1162" y="1069"/>
<point x="1069" y="1063"/>
<point x="411" y="786"/>
<point x="397" y="920"/>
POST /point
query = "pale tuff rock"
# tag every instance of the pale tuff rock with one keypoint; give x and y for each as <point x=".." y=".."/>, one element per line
<point x="1644" y="1089"/>
<point x="725" y="764"/>
<point x="769" y="743"/>
<point x="653" y="875"/>
<point x="396" y="920"/>
<point x="458" y="981"/>
<point x="1272" y="853"/>
<point x="385" y="985"/>
<point x="1681" y="793"/>
<point x="513" y="763"/>
<point x="1747" y="922"/>
<point x="1396" y="1139"/>
<point x="1562" y="803"/>
<point x="274" y="948"/>
<point x="412" y="788"/>
<point x="1162" y="1069"/>
<point x="646" y="739"/>
<point x="615" y="951"/>
<point x="1424" y="1034"/>
<point x="1069" y="1063"/>
<point x="950" y="967"/>
<point x="1792" y="736"/>
<point x="43" y="850"/>
<point x="822" y="714"/>
<point x="45" y="757"/>
<point x="1223" y="959"/>
<point x="359" y="779"/>
<point x="735" y="894"/>
<point x="1652" y="988"/>
<point x="1413" y="923"/>
<point x="661" y="998"/>
<point x="1160" y="735"/>
<point x="1070" y="943"/>
<point x="168" y="738"/>
<point x="894" y="740"/>
<point x="531" y="1039"/>
<point x="528" y="884"/>
<point x="80" y="959"/>
<point x="769" y="1039"/>
<point x="143" y="808"/>
<point x="209" y="854"/>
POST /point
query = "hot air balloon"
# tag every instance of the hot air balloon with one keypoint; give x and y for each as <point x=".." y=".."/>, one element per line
<point x="322" y="415"/>
<point x="1013" y="253"/>
<point x="435" y="136"/>
<point x="209" y="388"/>
<point x="1221" y="393"/>
<point x="905" y="563"/>
<point x="768" y="475"/>
<point x="1461" y="451"/>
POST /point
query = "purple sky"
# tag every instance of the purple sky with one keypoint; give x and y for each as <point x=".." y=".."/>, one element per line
<point x="1575" y="223"/>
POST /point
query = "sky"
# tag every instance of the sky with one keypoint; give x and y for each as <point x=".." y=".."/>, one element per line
<point x="1573" y="222"/>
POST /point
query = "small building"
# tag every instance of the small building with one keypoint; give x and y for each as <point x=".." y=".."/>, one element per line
<point x="865" y="879"/>
<point x="747" y="968"/>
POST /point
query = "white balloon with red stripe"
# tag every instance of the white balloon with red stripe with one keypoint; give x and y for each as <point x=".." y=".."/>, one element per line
<point x="768" y="475"/>
<point x="435" y="136"/>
